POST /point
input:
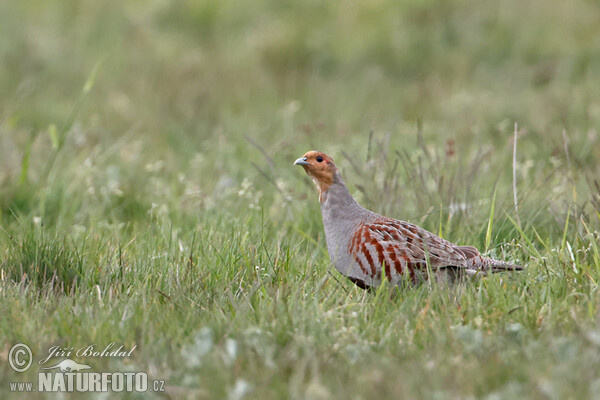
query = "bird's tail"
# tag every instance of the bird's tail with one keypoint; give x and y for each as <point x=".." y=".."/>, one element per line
<point x="490" y="265"/>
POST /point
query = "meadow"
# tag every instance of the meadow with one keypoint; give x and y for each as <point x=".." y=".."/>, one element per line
<point x="148" y="196"/>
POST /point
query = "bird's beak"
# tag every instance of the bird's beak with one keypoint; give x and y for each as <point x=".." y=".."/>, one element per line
<point x="301" y="161"/>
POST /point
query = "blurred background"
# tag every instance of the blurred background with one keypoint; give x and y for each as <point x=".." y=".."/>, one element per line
<point x="122" y="105"/>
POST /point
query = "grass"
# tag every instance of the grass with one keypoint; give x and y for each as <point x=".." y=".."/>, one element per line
<point x="147" y="195"/>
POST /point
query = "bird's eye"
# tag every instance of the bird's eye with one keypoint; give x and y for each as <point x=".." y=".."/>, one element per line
<point x="319" y="159"/>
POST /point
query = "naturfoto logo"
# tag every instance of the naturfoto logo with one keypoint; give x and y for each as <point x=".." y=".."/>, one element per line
<point x="68" y="375"/>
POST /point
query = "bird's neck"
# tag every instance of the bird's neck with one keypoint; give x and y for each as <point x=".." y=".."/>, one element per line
<point x="336" y="200"/>
<point x="341" y="215"/>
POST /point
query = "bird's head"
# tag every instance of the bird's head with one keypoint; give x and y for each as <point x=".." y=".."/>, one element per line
<point x="320" y="167"/>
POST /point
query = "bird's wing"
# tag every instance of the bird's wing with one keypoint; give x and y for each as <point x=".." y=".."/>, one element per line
<point x="404" y="248"/>
<point x="467" y="251"/>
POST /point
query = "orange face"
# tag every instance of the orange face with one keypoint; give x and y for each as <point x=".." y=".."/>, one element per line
<point x="318" y="166"/>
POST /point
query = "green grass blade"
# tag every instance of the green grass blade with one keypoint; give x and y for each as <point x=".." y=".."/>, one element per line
<point x="488" y="233"/>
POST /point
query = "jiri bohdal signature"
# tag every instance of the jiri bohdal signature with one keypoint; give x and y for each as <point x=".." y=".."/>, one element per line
<point x="88" y="351"/>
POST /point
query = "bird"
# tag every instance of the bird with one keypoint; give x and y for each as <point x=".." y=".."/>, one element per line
<point x="367" y="247"/>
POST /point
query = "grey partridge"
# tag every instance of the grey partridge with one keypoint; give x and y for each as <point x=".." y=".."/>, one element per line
<point x="364" y="245"/>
